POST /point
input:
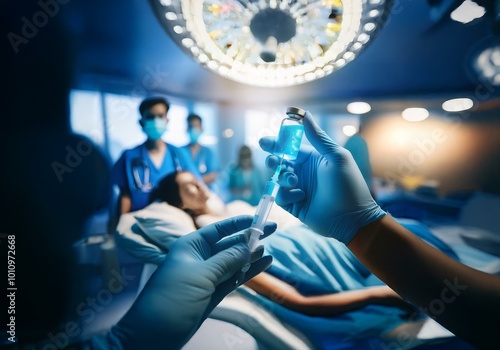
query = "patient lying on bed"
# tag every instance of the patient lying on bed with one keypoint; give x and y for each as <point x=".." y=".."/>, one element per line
<point x="310" y="274"/>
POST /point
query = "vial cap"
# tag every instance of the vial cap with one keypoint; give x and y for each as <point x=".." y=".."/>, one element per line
<point x="295" y="112"/>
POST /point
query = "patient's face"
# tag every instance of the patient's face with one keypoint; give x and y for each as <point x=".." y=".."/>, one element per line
<point x="193" y="195"/>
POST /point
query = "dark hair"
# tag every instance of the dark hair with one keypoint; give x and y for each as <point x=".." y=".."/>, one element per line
<point x="150" y="102"/>
<point x="192" y="117"/>
<point x="167" y="190"/>
<point x="244" y="152"/>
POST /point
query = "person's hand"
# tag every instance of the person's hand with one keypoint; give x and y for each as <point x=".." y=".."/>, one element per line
<point x="197" y="273"/>
<point x="327" y="192"/>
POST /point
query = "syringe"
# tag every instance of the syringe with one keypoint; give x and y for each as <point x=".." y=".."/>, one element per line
<point x="286" y="147"/>
<point x="264" y="208"/>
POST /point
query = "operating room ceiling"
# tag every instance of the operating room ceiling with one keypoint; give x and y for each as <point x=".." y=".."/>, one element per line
<point x="122" y="48"/>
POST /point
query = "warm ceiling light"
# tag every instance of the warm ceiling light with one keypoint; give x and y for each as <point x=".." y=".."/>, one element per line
<point x="457" y="104"/>
<point x="467" y="12"/>
<point x="228" y="133"/>
<point x="349" y="130"/>
<point x="359" y="107"/>
<point x="415" y="114"/>
<point x="271" y="42"/>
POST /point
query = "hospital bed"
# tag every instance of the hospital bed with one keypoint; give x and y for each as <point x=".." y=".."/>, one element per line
<point x="243" y="320"/>
<point x="246" y="320"/>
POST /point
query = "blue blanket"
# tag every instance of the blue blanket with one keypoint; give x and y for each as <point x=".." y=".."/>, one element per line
<point x="315" y="265"/>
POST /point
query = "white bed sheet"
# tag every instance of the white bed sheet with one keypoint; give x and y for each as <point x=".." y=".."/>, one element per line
<point x="475" y="247"/>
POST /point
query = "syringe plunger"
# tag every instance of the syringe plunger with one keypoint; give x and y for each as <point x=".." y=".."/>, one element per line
<point x="262" y="212"/>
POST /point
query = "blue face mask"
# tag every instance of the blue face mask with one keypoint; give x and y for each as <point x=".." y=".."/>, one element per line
<point x="155" y="128"/>
<point x="194" y="135"/>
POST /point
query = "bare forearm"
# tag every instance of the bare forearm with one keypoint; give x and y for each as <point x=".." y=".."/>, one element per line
<point x="321" y="305"/>
<point x="338" y="303"/>
<point x="464" y="300"/>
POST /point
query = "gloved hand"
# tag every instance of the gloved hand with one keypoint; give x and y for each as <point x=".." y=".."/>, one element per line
<point x="198" y="272"/>
<point x="327" y="192"/>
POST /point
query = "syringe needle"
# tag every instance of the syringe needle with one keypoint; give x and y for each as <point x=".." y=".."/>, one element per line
<point x="276" y="174"/>
<point x="263" y="209"/>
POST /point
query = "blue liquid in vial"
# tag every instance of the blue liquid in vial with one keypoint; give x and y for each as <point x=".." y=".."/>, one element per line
<point x="288" y="143"/>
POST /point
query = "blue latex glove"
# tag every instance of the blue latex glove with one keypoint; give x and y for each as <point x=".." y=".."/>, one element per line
<point x="327" y="192"/>
<point x="197" y="273"/>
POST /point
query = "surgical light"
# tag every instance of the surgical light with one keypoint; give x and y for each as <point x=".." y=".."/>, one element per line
<point x="272" y="43"/>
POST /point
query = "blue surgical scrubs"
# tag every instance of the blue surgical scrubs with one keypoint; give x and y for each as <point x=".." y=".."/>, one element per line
<point x="205" y="160"/>
<point x="246" y="185"/>
<point x="128" y="173"/>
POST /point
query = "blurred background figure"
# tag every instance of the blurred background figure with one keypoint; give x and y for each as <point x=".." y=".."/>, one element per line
<point x="356" y="144"/>
<point x="202" y="156"/>
<point x="246" y="181"/>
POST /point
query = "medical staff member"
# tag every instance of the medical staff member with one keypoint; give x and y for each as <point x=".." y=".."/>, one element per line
<point x="245" y="181"/>
<point x="325" y="189"/>
<point x="202" y="156"/>
<point x="358" y="147"/>
<point x="138" y="169"/>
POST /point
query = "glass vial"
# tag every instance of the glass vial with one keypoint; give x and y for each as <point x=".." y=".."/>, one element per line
<point x="290" y="134"/>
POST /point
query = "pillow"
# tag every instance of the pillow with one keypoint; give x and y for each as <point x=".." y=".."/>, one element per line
<point x="163" y="223"/>
<point x="130" y="238"/>
<point x="148" y="234"/>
